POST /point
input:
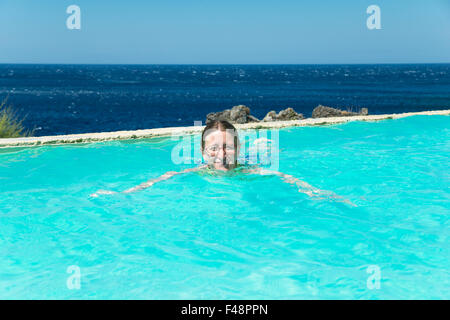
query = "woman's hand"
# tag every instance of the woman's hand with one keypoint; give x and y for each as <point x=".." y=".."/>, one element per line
<point x="304" y="187"/>
<point x="147" y="184"/>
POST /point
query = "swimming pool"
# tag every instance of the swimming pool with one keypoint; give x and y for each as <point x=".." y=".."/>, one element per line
<point x="238" y="237"/>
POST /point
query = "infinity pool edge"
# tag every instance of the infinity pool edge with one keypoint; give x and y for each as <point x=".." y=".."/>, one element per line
<point x="177" y="131"/>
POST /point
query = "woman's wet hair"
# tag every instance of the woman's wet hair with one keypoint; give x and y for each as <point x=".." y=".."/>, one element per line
<point x="221" y="125"/>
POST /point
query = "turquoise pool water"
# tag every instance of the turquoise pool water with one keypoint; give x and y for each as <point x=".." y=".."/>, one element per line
<point x="239" y="237"/>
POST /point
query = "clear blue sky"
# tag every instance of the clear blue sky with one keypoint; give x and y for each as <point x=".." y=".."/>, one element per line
<point x="225" y="31"/>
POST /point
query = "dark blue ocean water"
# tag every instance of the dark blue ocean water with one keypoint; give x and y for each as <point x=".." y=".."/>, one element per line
<point x="62" y="99"/>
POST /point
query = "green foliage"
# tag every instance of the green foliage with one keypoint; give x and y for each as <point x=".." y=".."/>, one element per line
<point x="10" y="124"/>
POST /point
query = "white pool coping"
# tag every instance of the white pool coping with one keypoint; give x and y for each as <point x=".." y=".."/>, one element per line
<point x="176" y="131"/>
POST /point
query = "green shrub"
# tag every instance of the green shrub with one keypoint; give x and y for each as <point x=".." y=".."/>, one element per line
<point x="10" y="124"/>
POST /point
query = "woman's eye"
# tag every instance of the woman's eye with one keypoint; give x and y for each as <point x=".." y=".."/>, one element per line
<point x="216" y="148"/>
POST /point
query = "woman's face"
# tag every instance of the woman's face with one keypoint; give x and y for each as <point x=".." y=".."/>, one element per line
<point x="220" y="150"/>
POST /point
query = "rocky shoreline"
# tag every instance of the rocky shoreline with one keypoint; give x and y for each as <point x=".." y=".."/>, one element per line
<point x="180" y="131"/>
<point x="241" y="114"/>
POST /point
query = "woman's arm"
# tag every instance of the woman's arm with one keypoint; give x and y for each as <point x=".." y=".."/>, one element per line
<point x="149" y="183"/>
<point x="303" y="186"/>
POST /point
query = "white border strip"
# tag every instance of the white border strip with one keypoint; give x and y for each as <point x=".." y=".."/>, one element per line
<point x="164" y="132"/>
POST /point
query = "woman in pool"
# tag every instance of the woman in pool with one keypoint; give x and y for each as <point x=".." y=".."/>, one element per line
<point x="220" y="147"/>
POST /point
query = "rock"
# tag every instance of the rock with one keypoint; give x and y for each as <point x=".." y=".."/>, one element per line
<point x="251" y="118"/>
<point x="241" y="114"/>
<point x="326" y="112"/>
<point x="283" y="115"/>
<point x="238" y="114"/>
<point x="289" y="114"/>
<point x="270" y="116"/>
<point x="223" y="115"/>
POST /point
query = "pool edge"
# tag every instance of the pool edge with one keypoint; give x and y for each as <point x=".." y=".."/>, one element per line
<point x="177" y="131"/>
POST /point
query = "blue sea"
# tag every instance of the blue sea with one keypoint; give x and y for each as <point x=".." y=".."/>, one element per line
<point x="65" y="99"/>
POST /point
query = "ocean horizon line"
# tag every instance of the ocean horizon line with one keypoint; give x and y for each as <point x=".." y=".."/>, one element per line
<point x="224" y="64"/>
